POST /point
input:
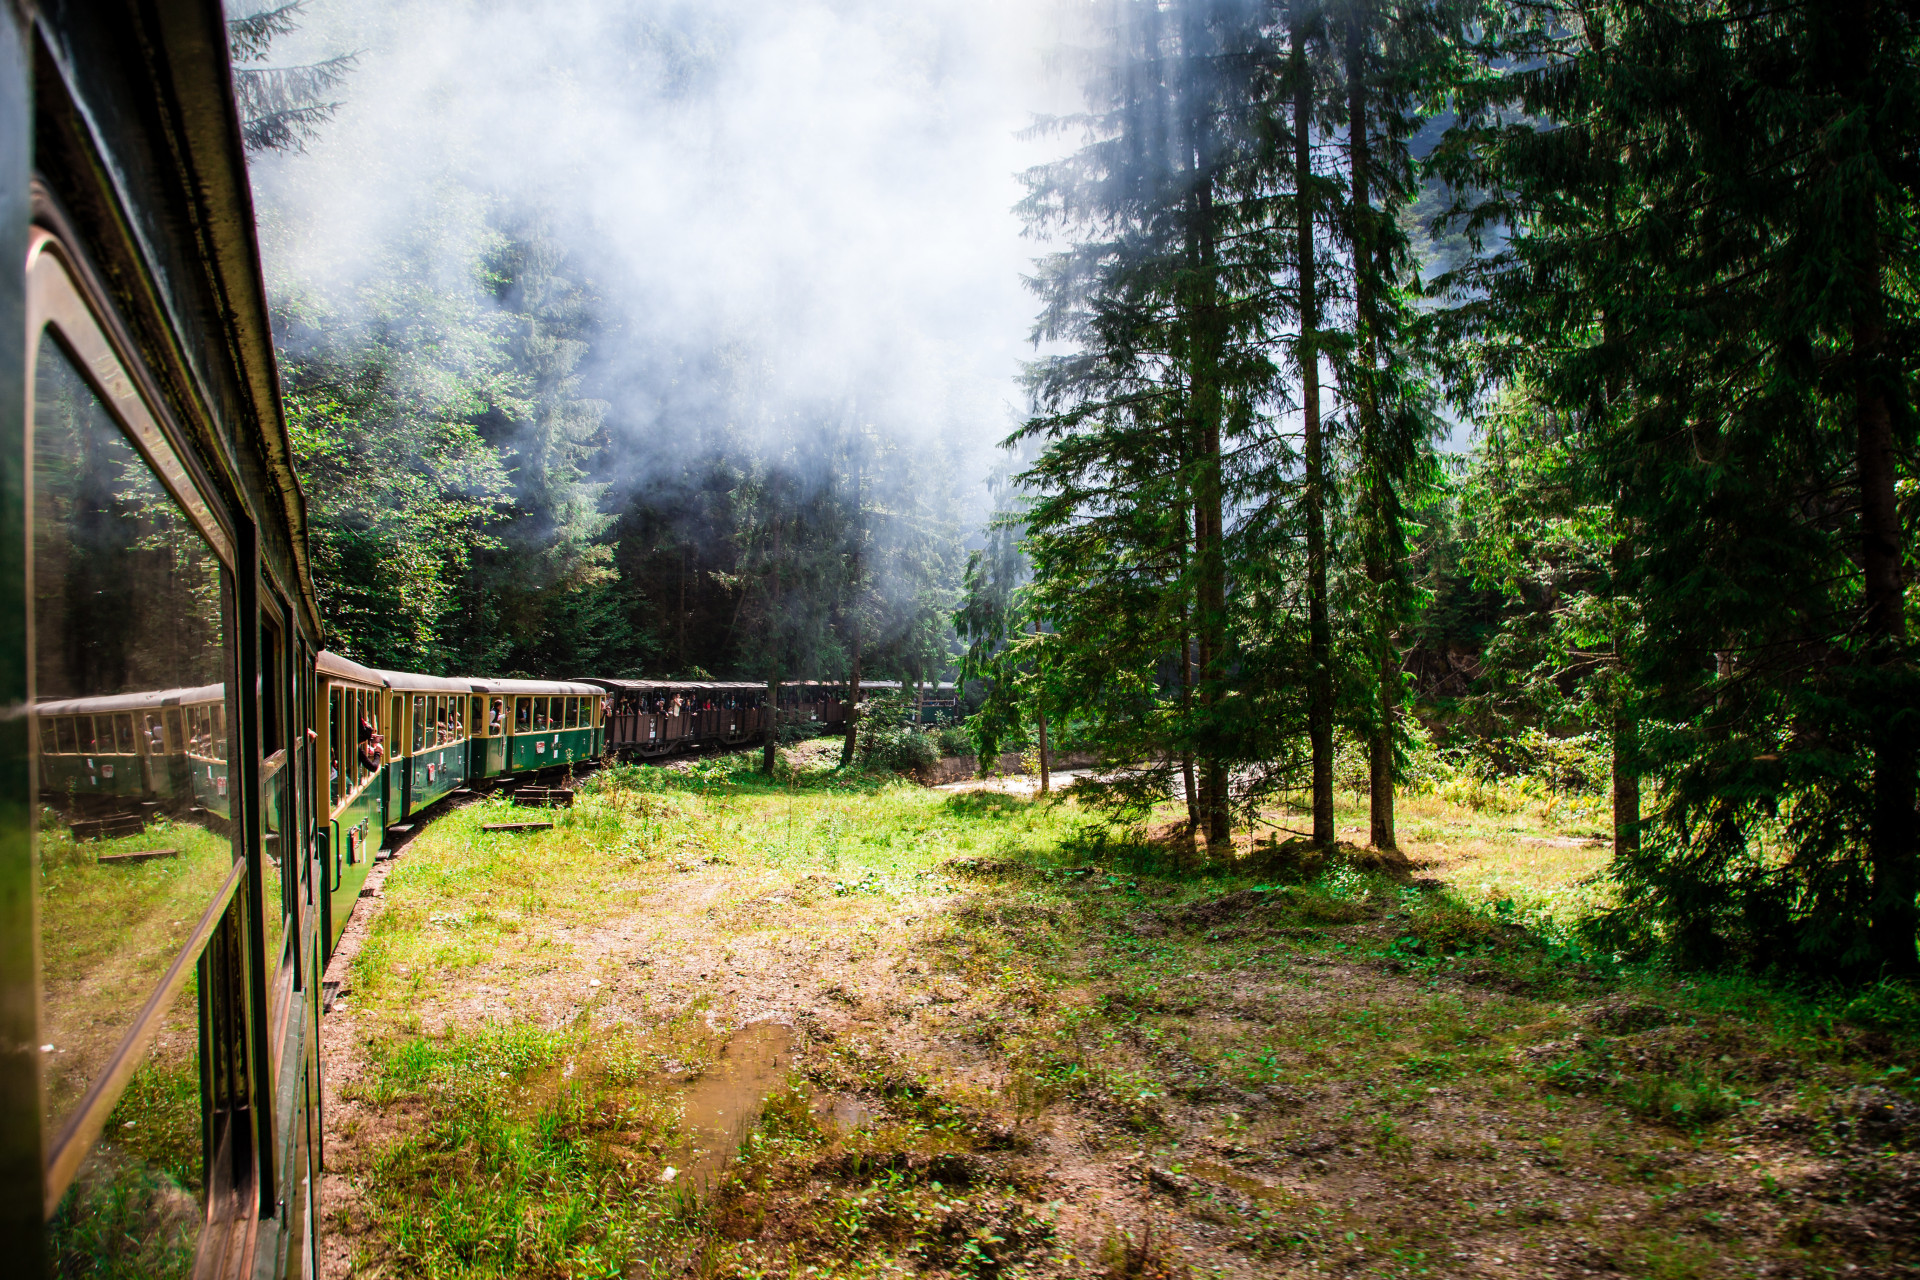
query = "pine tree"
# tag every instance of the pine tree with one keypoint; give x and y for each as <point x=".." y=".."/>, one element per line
<point x="1395" y="61"/>
<point x="281" y="108"/>
<point x="1702" y="282"/>
<point x="1148" y="428"/>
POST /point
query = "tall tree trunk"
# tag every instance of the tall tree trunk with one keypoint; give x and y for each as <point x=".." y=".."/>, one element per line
<point x="1381" y="569"/>
<point x="853" y="613"/>
<point x="1890" y="844"/>
<point x="1319" y="623"/>
<point x="1046" y="775"/>
<point x="686" y="555"/>
<point x="770" y="750"/>
<point x="1205" y="343"/>
<point x="1186" y="710"/>
<point x="853" y="702"/>
<point x="1626" y="733"/>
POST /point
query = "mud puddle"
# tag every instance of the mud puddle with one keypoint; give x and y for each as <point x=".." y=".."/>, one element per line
<point x="720" y="1108"/>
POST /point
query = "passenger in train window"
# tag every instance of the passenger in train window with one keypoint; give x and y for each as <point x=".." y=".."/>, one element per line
<point x="373" y="749"/>
<point x="496" y="717"/>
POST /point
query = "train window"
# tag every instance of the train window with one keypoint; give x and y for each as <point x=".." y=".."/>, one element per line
<point x="363" y="732"/>
<point x="419" y="722"/>
<point x="175" y="737"/>
<point x="523" y="715"/>
<point x="336" y="713"/>
<point x="129" y="598"/>
<point x="397" y="740"/>
<point x="47" y="746"/>
<point x="539" y="715"/>
<point x="572" y="712"/>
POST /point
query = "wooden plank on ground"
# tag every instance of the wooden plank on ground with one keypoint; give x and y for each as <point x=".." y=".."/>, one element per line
<point x="516" y="826"/>
<point x="544" y="797"/>
<point x="126" y="824"/>
<point x="142" y="855"/>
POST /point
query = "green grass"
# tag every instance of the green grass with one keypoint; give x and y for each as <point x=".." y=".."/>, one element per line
<point x="1354" y="1074"/>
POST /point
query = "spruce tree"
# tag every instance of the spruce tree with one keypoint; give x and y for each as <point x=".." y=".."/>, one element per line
<point x="1150" y="426"/>
<point x="1709" y="238"/>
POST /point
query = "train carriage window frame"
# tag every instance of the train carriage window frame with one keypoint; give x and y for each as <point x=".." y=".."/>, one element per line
<point x="58" y="311"/>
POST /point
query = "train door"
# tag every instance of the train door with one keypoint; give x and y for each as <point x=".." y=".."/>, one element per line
<point x="476" y="736"/>
<point x="396" y="758"/>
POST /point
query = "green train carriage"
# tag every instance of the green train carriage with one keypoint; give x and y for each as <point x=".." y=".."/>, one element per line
<point x="354" y="780"/>
<point x="538" y="724"/>
<point x="430" y="744"/>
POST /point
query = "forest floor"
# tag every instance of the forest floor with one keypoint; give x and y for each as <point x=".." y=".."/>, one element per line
<point x="713" y="1025"/>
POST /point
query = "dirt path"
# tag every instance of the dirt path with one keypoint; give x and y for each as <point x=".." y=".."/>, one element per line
<point x="993" y="1063"/>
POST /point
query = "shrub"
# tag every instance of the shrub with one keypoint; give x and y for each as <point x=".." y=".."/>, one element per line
<point x="953" y="740"/>
<point x="898" y="748"/>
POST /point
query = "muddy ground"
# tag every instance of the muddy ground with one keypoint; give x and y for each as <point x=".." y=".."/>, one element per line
<point x="718" y="1028"/>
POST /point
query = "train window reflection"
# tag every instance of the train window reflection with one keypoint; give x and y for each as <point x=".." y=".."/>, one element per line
<point x="134" y="840"/>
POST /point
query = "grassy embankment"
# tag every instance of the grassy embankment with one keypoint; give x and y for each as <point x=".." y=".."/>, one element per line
<point x="999" y="1037"/>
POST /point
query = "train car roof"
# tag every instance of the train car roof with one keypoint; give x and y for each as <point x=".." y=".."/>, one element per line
<point x="329" y="663"/>
<point x="644" y="686"/>
<point x="132" y="701"/>
<point x="413" y="682"/>
<point x="572" y="688"/>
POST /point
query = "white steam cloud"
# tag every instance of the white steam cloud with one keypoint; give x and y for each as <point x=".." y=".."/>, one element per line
<point x="829" y="182"/>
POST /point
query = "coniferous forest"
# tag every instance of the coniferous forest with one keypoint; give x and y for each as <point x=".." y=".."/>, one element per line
<point x="1417" y="387"/>
<point x="1404" y="510"/>
<point x="1656" y="258"/>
